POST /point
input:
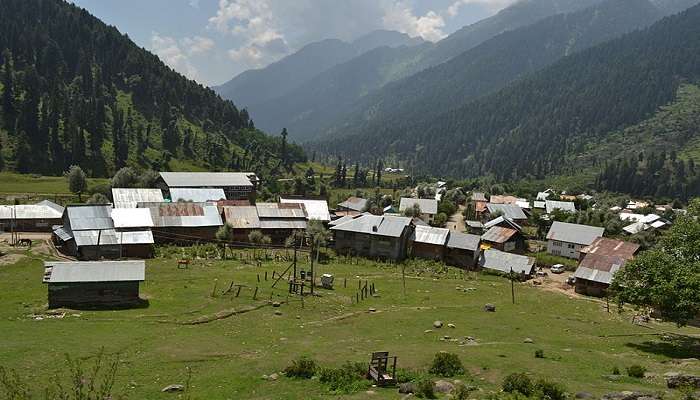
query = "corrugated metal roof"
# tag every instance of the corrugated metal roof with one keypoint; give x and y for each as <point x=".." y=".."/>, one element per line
<point x="498" y="234"/>
<point x="207" y="179"/>
<point x="136" y="237"/>
<point x="130" y="197"/>
<point x="242" y="217"/>
<point x="574" y="233"/>
<point x="43" y="210"/>
<point x="523" y="204"/>
<point x="427" y="206"/>
<point x="86" y="217"/>
<point x="342" y="220"/>
<point x="315" y="208"/>
<point x="381" y="225"/>
<point x="539" y="204"/>
<point x="132" y="218"/>
<point x="354" y="203"/>
<point x="611" y="247"/>
<point x="197" y="195"/>
<point x="478" y="196"/>
<point x="475" y="224"/>
<point x="278" y="210"/>
<point x="508" y="210"/>
<point x="95" y="271"/>
<point x="599" y="268"/>
<point x="274" y="223"/>
<point x="430" y="235"/>
<point x="459" y="240"/>
<point x="62" y="233"/>
<point x="501" y="261"/>
<point x="552" y="205"/>
<point x="183" y="214"/>
<point x="503" y="221"/>
<point x="503" y="200"/>
<point x="108" y="237"/>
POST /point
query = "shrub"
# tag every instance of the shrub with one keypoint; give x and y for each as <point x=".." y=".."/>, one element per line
<point x="425" y="388"/>
<point x="462" y="391"/>
<point x="349" y="378"/>
<point x="549" y="390"/>
<point x="518" y="383"/>
<point x="408" y="375"/>
<point x="303" y="367"/>
<point x="446" y="365"/>
<point x="636" y="371"/>
<point x="539" y="353"/>
<point x="616" y="371"/>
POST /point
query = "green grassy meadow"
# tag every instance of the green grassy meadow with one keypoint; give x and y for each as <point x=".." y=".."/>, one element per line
<point x="28" y="184"/>
<point x="155" y="345"/>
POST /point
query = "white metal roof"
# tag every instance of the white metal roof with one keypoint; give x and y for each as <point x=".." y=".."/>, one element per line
<point x="197" y="195"/>
<point x="43" y="210"/>
<point x="509" y="210"/>
<point x="183" y="214"/>
<point x="87" y="217"/>
<point x="132" y="218"/>
<point x="430" y="235"/>
<point x="130" y="197"/>
<point x="574" y="233"/>
<point x="382" y="225"/>
<point x="207" y="179"/>
<point x="567" y="206"/>
<point x="465" y="241"/>
<point x="501" y="261"/>
<point x="315" y="209"/>
<point x="94" y="271"/>
<point x="427" y="206"/>
<point x="107" y="237"/>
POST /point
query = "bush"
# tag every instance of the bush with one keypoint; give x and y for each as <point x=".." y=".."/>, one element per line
<point x="446" y="365"/>
<point x="303" y="367"/>
<point x="425" y="388"/>
<point x="616" y="371"/>
<point x="539" y="353"/>
<point x="349" y="378"/>
<point x="462" y="391"/>
<point x="518" y="383"/>
<point x="636" y="371"/>
<point x="408" y="375"/>
<point x="549" y="390"/>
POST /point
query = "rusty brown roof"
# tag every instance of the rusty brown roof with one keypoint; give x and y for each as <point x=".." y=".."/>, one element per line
<point x="611" y="247"/>
<point x="498" y="234"/>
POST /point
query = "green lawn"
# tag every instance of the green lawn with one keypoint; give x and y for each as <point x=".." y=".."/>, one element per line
<point x="20" y="183"/>
<point x="581" y="341"/>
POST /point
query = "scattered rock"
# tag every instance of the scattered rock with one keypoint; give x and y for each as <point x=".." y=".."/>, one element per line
<point x="370" y="392"/>
<point x="265" y="377"/>
<point x="584" y="395"/>
<point x="372" y="309"/>
<point x="427" y="331"/>
<point x="173" y="388"/>
<point x="675" y="380"/>
<point x="443" y="386"/>
<point x="490" y="307"/>
<point x="278" y="312"/>
<point x="437" y="324"/>
<point x="451" y="326"/>
<point x="274" y="377"/>
<point x="612" y="377"/>
<point x="528" y="340"/>
<point x="627" y="395"/>
<point x="407" y="387"/>
<point x="276" y="304"/>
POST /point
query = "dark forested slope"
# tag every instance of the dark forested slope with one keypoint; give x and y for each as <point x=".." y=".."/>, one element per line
<point x="76" y="91"/>
<point x="538" y="125"/>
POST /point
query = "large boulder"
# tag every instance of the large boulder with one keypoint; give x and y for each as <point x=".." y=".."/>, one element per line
<point x="437" y="324"/>
<point x="627" y="395"/>
<point x="490" y="307"/>
<point x="173" y="388"/>
<point x="407" y="387"/>
<point x="443" y="386"/>
<point x="675" y="380"/>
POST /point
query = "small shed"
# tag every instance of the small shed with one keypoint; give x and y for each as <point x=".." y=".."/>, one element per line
<point x="429" y="242"/>
<point x="504" y="239"/>
<point x="96" y="284"/>
<point x="462" y="250"/>
<point x="503" y="262"/>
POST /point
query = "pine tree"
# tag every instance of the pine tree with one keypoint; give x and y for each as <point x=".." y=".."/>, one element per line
<point x="8" y="96"/>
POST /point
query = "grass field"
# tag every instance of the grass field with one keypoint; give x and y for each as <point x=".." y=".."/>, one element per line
<point x="28" y="184"/>
<point x="228" y="356"/>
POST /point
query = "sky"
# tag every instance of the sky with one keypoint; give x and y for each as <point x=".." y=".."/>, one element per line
<point x="211" y="41"/>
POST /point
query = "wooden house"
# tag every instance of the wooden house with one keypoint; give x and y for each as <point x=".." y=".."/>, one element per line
<point x="510" y="211"/>
<point x="429" y="243"/>
<point x="96" y="284"/>
<point x="374" y="236"/>
<point x="236" y="185"/>
<point x="184" y="223"/>
<point x="566" y="240"/>
<point x="428" y="207"/>
<point x="40" y="217"/>
<point x="462" y="250"/>
<point x="502" y="262"/>
<point x="504" y="239"/>
<point x="599" y="262"/>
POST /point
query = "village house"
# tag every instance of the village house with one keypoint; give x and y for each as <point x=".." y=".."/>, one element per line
<point x="566" y="240"/>
<point x="280" y="220"/>
<point x="497" y="199"/>
<point x="480" y="201"/>
<point x="429" y="243"/>
<point x="475" y="227"/>
<point x="352" y="206"/>
<point x="643" y="222"/>
<point x="565" y="206"/>
<point x="184" y="222"/>
<point x="130" y="197"/>
<point x="462" y="250"/>
<point x="512" y="212"/>
<point x="316" y="208"/>
<point x="196" y="195"/>
<point x="504" y="239"/>
<point x="236" y="185"/>
<point x="243" y="220"/>
<point x="428" y="207"/>
<point x="502" y="262"/>
<point x="599" y="262"/>
<point x="40" y="217"/>
<point x="375" y="236"/>
<point x="96" y="284"/>
<point x="89" y="233"/>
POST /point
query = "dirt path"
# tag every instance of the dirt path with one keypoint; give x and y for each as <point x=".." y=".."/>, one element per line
<point x="456" y="221"/>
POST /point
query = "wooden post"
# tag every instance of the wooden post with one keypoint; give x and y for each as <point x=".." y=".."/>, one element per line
<point x="213" y="291"/>
<point x="265" y="276"/>
<point x="512" y="285"/>
<point x="258" y="278"/>
<point x="345" y="282"/>
<point x="239" y="291"/>
<point x="357" y="297"/>
<point x="255" y="295"/>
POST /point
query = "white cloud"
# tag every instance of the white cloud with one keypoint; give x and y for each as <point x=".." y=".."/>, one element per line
<point x="453" y="9"/>
<point x="400" y="16"/>
<point x="177" y="54"/>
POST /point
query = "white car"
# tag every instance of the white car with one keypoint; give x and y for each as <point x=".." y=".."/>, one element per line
<point x="557" y="268"/>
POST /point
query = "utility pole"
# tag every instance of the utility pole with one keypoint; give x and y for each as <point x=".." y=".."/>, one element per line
<point x="512" y="285"/>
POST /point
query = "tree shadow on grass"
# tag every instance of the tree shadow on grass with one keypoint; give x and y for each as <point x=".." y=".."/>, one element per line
<point x="671" y="346"/>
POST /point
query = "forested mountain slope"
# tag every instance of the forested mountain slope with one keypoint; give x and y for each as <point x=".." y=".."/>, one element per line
<point x="259" y="85"/>
<point x="309" y="108"/>
<point x="535" y="127"/>
<point x="76" y="91"/>
<point x="495" y="63"/>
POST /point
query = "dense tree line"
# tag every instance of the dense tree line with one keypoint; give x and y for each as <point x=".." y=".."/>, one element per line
<point x="77" y="92"/>
<point x="536" y="127"/>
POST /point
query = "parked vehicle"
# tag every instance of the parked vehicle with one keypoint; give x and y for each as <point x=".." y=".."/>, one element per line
<point x="571" y="280"/>
<point x="557" y="268"/>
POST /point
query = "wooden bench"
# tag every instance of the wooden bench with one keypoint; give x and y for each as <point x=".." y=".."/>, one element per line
<point x="183" y="263"/>
<point x="379" y="369"/>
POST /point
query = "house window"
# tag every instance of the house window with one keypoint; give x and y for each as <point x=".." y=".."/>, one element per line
<point x="571" y="245"/>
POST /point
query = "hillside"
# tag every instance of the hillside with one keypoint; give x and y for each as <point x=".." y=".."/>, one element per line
<point x="533" y="127"/>
<point x="313" y="105"/>
<point x="495" y="63"/>
<point x="253" y="87"/>
<point x="76" y="91"/>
